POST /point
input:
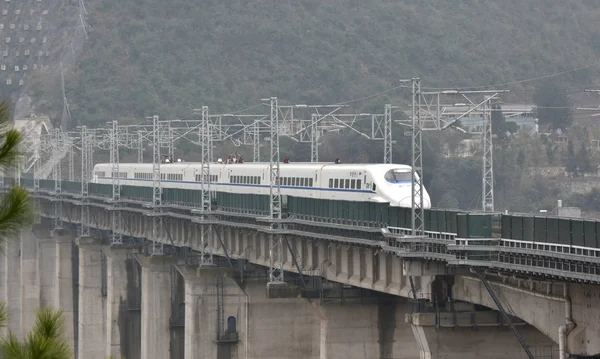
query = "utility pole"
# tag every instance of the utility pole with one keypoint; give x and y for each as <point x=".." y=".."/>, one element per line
<point x="57" y="174"/>
<point x="116" y="237"/>
<point x="417" y="224"/>
<point x="276" y="240"/>
<point x="487" y="188"/>
<point x="387" y="134"/>
<point x="206" y="255"/>
<point x="157" y="246"/>
<point x="86" y="174"/>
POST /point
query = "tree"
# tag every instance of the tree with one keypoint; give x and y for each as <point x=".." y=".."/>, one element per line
<point x="584" y="163"/>
<point x="571" y="158"/>
<point x="15" y="206"/>
<point x="499" y="127"/>
<point x="45" y="341"/>
<point x="553" y="106"/>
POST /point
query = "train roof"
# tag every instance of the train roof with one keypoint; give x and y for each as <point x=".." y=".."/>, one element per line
<point x="296" y="165"/>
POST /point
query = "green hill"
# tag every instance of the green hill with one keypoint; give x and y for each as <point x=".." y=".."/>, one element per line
<point x="166" y="57"/>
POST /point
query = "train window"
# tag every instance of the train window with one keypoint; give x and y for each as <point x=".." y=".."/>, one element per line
<point x="398" y="175"/>
<point x="336" y="183"/>
<point x="347" y="183"/>
<point x="374" y="187"/>
<point x="331" y="183"/>
<point x="302" y="182"/>
<point x="358" y="184"/>
<point x="293" y="181"/>
<point x="353" y="184"/>
<point x="310" y="182"/>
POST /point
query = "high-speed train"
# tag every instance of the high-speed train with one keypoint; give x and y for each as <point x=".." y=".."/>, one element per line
<point x="380" y="183"/>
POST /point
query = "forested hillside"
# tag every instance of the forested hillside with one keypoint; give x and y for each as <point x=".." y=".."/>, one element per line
<point x="147" y="57"/>
<point x="166" y="57"/>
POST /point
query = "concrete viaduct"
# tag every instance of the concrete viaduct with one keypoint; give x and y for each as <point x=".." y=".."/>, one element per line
<point x="356" y="297"/>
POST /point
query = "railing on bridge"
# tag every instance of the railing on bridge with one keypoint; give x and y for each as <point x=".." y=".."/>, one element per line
<point x="548" y="245"/>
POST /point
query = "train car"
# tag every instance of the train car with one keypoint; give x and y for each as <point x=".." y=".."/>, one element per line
<point x="379" y="183"/>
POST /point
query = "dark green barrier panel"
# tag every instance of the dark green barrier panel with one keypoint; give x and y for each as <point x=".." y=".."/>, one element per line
<point x="540" y="234"/>
<point x="479" y="225"/>
<point x="552" y="230"/>
<point x="384" y="212"/>
<point x="528" y="228"/>
<point x="506" y="232"/>
<point x="71" y="187"/>
<point x="440" y="218"/>
<point x="589" y="234"/>
<point x="591" y="241"/>
<point x="47" y="184"/>
<point x="577" y="236"/>
<point x="516" y="228"/>
<point x="433" y="220"/>
<point x="451" y="221"/>
<point x="25" y="182"/>
<point x="463" y="225"/>
<point x="394" y="215"/>
<point x="98" y="189"/>
<point x="564" y="231"/>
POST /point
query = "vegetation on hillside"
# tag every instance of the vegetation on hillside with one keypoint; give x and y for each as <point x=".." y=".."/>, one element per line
<point x="167" y="57"/>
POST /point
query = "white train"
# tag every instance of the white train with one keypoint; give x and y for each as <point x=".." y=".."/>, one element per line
<point x="381" y="183"/>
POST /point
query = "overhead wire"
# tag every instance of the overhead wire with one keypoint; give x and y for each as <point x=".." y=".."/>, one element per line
<point x="516" y="82"/>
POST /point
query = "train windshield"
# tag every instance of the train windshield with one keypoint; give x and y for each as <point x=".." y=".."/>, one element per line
<point x="398" y="176"/>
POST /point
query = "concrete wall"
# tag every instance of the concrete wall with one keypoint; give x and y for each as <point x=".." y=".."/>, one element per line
<point x="543" y="307"/>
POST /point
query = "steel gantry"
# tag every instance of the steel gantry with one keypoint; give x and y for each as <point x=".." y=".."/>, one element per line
<point x="57" y="177"/>
<point x="417" y="224"/>
<point x="157" y="220"/>
<point x="205" y="138"/>
<point x="116" y="235"/>
<point x="276" y="240"/>
<point x="86" y="175"/>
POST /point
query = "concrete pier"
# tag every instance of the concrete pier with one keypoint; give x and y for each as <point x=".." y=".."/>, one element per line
<point x="12" y="278"/>
<point x="30" y="281"/>
<point x="156" y="306"/>
<point x="122" y="304"/>
<point x="46" y="268"/>
<point x="91" y="302"/>
<point x="65" y="295"/>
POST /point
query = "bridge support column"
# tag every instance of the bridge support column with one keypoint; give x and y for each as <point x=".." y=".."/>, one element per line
<point x="122" y="305"/>
<point x="458" y="338"/>
<point x="156" y="306"/>
<point x="356" y="269"/>
<point x="371" y="329"/>
<point x="383" y="274"/>
<point x="46" y="267"/>
<point x="91" y="301"/>
<point x="368" y="271"/>
<point x="344" y="259"/>
<point x="30" y="281"/>
<point x="12" y="278"/>
<point x="65" y="278"/>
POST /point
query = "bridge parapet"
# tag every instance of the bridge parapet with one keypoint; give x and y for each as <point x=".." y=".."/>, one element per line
<point x="559" y="248"/>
